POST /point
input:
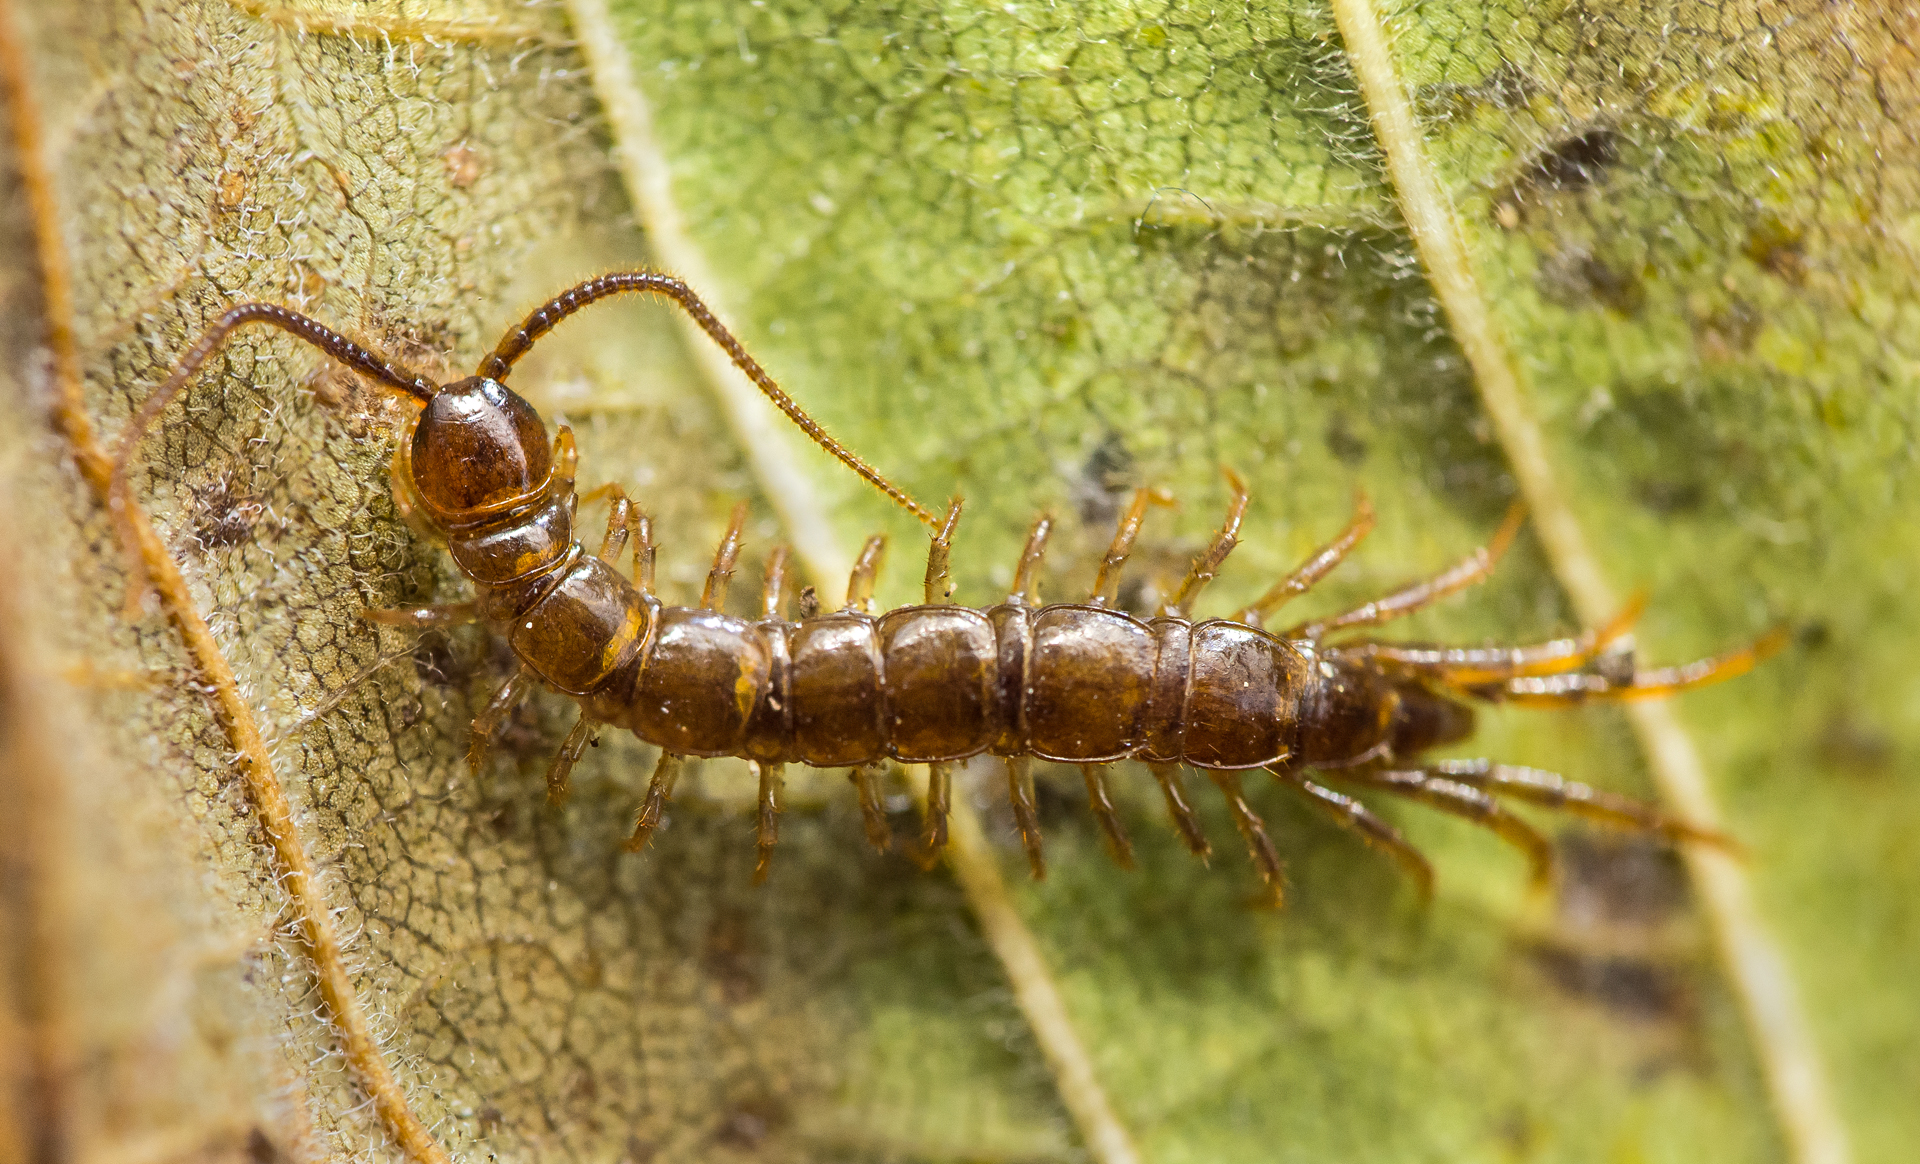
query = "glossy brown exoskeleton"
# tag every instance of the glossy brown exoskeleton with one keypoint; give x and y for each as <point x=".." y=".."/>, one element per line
<point x="938" y="683"/>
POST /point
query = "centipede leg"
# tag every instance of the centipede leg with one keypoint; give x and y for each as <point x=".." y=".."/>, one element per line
<point x="933" y="829"/>
<point x="1553" y="791"/>
<point x="1266" y="859"/>
<point x="559" y="786"/>
<point x="1207" y="565"/>
<point x="619" y="520"/>
<point x="1100" y="800"/>
<point x="1351" y="814"/>
<point x="425" y="618"/>
<point x="766" y="828"/>
<point x="773" y="586"/>
<point x="654" y="807"/>
<point x="1469" y="571"/>
<point x="866" y="568"/>
<point x="873" y="813"/>
<point x="1025" y="813"/>
<point x="487" y="724"/>
<point x="1184" y="818"/>
<point x="1106" y="583"/>
<point x="939" y="581"/>
<point x="1585" y="687"/>
<point x="1316" y="567"/>
<point x="1025" y="590"/>
<point x="714" y="595"/>
<point x="1462" y="800"/>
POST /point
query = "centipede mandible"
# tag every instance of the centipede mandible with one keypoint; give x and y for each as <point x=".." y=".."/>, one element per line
<point x="1322" y="706"/>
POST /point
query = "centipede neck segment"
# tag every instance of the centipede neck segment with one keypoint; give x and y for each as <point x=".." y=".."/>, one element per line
<point x="1083" y="683"/>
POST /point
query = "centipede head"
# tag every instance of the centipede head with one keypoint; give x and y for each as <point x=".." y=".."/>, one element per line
<point x="478" y="444"/>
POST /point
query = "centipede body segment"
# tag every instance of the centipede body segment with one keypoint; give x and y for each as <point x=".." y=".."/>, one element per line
<point x="939" y="683"/>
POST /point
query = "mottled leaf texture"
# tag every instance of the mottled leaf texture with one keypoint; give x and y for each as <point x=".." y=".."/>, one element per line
<point x="1038" y="255"/>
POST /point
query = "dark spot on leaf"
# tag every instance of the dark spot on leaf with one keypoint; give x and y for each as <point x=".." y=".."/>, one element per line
<point x="747" y="1125"/>
<point x="1778" y="248"/>
<point x="639" y="1151"/>
<point x="1727" y="331"/>
<point x="1631" y="987"/>
<point x="1576" y="278"/>
<point x="1618" y="880"/>
<point x="437" y="664"/>
<point x="727" y="954"/>
<point x="1814" y="635"/>
<point x="1100" y="490"/>
<point x="1576" y="162"/>
<point x="224" y="516"/>
<point x="261" y="1149"/>
<point x="489" y="1119"/>
<point x="1346" y="448"/>
<point x="1669" y="497"/>
<point x="1861" y="747"/>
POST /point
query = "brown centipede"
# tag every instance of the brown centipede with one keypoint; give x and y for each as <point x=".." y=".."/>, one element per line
<point x="937" y="683"/>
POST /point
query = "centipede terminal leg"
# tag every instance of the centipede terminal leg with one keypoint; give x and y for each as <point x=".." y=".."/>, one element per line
<point x="488" y="723"/>
<point x="714" y="595"/>
<point x="659" y="793"/>
<point x="873" y="813"/>
<point x="1471" y="667"/>
<point x="1207" y="565"/>
<point x="1317" y="566"/>
<point x="1586" y="687"/>
<point x="1550" y="790"/>
<point x="559" y="773"/>
<point x="1266" y="859"/>
<point x="866" y="568"/>
<point x="1026" y="814"/>
<point x="766" y="828"/>
<point x="1185" y="821"/>
<point x="933" y="828"/>
<point x="1350" y="813"/>
<point x="1466" y="802"/>
<point x="1100" y="800"/>
<point x="1470" y="571"/>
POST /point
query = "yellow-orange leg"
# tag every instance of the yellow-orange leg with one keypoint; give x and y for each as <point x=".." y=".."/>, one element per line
<point x="654" y="808"/>
<point x="488" y="723"/>
<point x="1316" y="567"/>
<point x="1462" y="800"/>
<point x="766" y="828"/>
<point x="1180" y="810"/>
<point x="1100" y="800"/>
<point x="1352" y="814"/>
<point x="1551" y="790"/>
<point x="713" y="596"/>
<point x="933" y="829"/>
<point x="939" y="583"/>
<point x="1467" y="667"/>
<point x="873" y="813"/>
<point x="866" y="568"/>
<point x="1106" y="583"/>
<point x="559" y="773"/>
<point x="1207" y="565"/>
<point x="1025" y="813"/>
<point x="1253" y="830"/>
<point x="1025" y="590"/>
<point x="773" y="586"/>
<point x="1571" y="690"/>
<point x="1469" y="571"/>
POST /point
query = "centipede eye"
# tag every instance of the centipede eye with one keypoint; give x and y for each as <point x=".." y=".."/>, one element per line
<point x="477" y="443"/>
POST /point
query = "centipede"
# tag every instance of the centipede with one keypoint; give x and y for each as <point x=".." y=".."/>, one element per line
<point x="1324" y="707"/>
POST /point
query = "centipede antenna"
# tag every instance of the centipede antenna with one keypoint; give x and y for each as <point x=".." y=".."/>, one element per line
<point x="865" y="569"/>
<point x="939" y="582"/>
<point x="339" y="347"/>
<point x="773" y="589"/>
<point x="714" y="595"/>
<point x="519" y="340"/>
<point x="1025" y="590"/>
